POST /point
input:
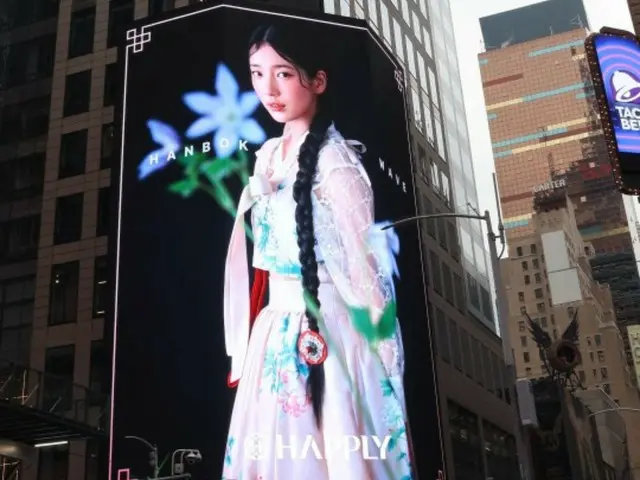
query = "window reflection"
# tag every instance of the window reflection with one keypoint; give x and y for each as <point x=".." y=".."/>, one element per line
<point x="465" y="443"/>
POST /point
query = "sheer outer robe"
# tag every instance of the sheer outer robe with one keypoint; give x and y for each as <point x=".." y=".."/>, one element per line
<point x="343" y="215"/>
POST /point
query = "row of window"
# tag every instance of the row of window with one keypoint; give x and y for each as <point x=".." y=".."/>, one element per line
<point x="23" y="177"/>
<point x="468" y="355"/>
<point x="17" y="14"/>
<point x="73" y="151"/>
<point x="77" y="92"/>
<point x="470" y="445"/>
<point x="19" y="238"/>
<point x="17" y="297"/>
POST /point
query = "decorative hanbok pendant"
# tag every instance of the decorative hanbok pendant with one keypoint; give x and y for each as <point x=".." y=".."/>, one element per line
<point x="312" y="347"/>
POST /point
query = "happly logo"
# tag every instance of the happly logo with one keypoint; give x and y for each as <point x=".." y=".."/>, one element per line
<point x="259" y="447"/>
<point x="626" y="87"/>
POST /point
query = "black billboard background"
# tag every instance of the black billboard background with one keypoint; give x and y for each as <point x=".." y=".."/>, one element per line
<point x="170" y="378"/>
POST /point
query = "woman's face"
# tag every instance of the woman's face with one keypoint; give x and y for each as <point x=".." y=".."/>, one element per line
<point x="284" y="93"/>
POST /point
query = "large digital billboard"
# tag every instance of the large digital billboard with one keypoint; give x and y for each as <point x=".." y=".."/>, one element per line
<point x="614" y="61"/>
<point x="266" y="326"/>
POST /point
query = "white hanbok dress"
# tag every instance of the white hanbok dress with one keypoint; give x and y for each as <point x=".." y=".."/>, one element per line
<point x="273" y="433"/>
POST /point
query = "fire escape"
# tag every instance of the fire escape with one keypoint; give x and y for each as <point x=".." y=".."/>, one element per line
<point x="37" y="409"/>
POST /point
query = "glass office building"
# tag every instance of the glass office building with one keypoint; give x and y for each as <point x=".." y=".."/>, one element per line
<point x="421" y="35"/>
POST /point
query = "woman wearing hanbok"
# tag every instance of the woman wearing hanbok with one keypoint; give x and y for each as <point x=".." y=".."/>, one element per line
<point x="315" y="400"/>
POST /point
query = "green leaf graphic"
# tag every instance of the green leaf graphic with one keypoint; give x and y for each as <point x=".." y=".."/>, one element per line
<point x="218" y="169"/>
<point x="224" y="198"/>
<point x="362" y="323"/>
<point x="184" y="188"/>
<point x="312" y="306"/>
<point x="387" y="324"/>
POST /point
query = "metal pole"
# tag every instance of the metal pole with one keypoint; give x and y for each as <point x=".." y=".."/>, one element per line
<point x="502" y="312"/>
<point x="153" y="448"/>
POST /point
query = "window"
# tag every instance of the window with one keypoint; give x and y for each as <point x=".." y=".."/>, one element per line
<point x="19" y="239"/>
<point x="460" y="293"/>
<point x="598" y="339"/>
<point x="538" y="292"/>
<point x="159" y="6"/>
<point x="454" y="338"/>
<point x="77" y="92"/>
<point x="27" y="61"/>
<point x="58" y="382"/>
<point x="100" y="286"/>
<point x="604" y="373"/>
<point x="521" y="296"/>
<point x="24" y="120"/>
<point x="63" y="301"/>
<point x="607" y="388"/>
<point x="525" y="266"/>
<point x="104" y="211"/>
<point x="519" y="251"/>
<point x="521" y="327"/>
<point x="523" y="341"/>
<point x="97" y="370"/>
<point x="107" y="145"/>
<point x="443" y="336"/>
<point x="601" y="358"/>
<point x="82" y="30"/>
<point x="526" y="357"/>
<point x="22" y="177"/>
<point x="120" y="17"/>
<point x="582" y="376"/>
<point x="53" y="462"/>
<point x="447" y="283"/>
<point x="523" y="310"/>
<point x="68" y="220"/>
<point x="16" y="317"/>
<point x="543" y="322"/>
<point x="386" y="25"/>
<point x="527" y="279"/>
<point x="541" y="307"/>
<point x="535" y="263"/>
<point x="538" y="278"/>
<point x="92" y="459"/>
<point x="110" y="84"/>
<point x="534" y="249"/>
<point x="73" y="152"/>
<point x="435" y="272"/>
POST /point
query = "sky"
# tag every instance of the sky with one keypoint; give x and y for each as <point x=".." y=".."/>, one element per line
<point x="466" y="15"/>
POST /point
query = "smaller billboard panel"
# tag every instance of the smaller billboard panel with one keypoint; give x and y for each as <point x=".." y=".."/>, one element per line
<point x="614" y="60"/>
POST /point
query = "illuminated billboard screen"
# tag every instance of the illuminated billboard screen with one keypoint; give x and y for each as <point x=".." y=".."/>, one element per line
<point x="614" y="60"/>
<point x="257" y="292"/>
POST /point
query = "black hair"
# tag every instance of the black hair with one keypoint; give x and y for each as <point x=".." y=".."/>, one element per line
<point x="306" y="56"/>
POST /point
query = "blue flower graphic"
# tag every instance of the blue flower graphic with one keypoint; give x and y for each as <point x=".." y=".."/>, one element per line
<point x="227" y="114"/>
<point x="168" y="139"/>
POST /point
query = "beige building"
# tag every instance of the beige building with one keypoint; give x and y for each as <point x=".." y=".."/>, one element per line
<point x="550" y="290"/>
<point x="56" y="142"/>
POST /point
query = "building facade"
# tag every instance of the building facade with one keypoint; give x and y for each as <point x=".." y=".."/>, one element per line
<point x="545" y="133"/>
<point x="57" y="90"/>
<point x="634" y="9"/>
<point x="540" y="291"/>
<point x="469" y="353"/>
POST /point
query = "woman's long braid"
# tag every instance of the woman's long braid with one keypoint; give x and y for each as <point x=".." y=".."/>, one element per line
<point x="302" y="194"/>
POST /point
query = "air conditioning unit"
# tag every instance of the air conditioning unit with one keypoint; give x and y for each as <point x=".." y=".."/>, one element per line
<point x="526" y="403"/>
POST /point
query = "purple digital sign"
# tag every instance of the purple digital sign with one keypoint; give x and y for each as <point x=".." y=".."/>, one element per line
<point x="618" y="60"/>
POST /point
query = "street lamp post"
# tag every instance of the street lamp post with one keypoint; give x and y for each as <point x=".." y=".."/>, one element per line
<point x="153" y="454"/>
<point x="502" y="312"/>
